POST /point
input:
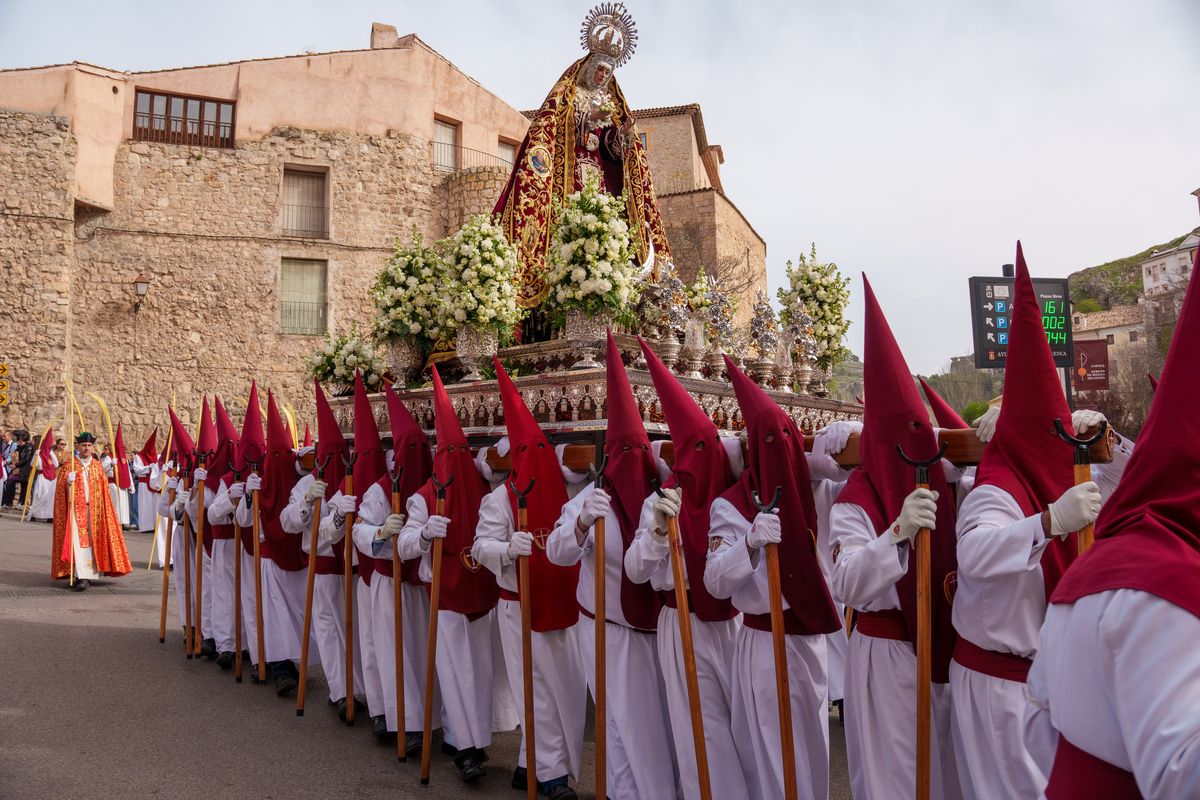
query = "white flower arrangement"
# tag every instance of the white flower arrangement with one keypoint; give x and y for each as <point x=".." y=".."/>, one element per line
<point x="590" y="258"/>
<point x="478" y="285"/>
<point x="406" y="304"/>
<point x="334" y="363"/>
<point x="819" y="291"/>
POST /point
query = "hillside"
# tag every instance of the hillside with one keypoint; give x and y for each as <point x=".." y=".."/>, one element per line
<point x="1115" y="283"/>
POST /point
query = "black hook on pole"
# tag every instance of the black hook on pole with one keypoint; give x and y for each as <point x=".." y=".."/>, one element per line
<point x="922" y="466"/>
<point x="348" y="463"/>
<point x="321" y="465"/>
<point x="397" y="478"/>
<point x="768" y="508"/>
<point x="1082" y="455"/>
<point x="441" y="487"/>
<point x="522" y="502"/>
<point x="600" y="472"/>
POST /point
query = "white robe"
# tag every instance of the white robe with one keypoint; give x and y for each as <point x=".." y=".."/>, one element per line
<point x="560" y="693"/>
<point x="881" y="674"/>
<point x="731" y="766"/>
<point x="147" y="494"/>
<point x="1000" y="606"/>
<point x="471" y="675"/>
<point x="283" y="595"/>
<point x="120" y="497"/>
<point x="640" y="756"/>
<point x="1116" y="675"/>
<point x="42" y="504"/>
<point x="373" y="510"/>
<point x="329" y="596"/>
<point x="732" y="572"/>
<point x="85" y="560"/>
<point x="219" y="582"/>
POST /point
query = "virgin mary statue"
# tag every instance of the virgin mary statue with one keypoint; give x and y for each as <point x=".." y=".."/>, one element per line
<point x="584" y="128"/>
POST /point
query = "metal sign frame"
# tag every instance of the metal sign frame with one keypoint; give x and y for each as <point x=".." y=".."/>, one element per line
<point x="993" y="353"/>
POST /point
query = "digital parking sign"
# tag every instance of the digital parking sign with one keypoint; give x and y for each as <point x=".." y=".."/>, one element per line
<point x="991" y="318"/>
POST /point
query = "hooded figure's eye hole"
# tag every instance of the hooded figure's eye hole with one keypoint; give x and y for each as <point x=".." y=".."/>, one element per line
<point x="646" y="447"/>
<point x="626" y="448"/>
<point x="787" y="432"/>
<point x="770" y="437"/>
<point x="451" y="448"/>
<point x="914" y="425"/>
<point x="699" y="446"/>
<point x="541" y="446"/>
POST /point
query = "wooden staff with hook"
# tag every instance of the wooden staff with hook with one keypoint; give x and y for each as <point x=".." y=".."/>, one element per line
<point x="398" y="619"/>
<point x="349" y="555"/>
<point x="526" y="640"/>
<point x="435" y="592"/>
<point x="598" y="554"/>
<point x="258" y="603"/>
<point x="308" y="598"/>
<point x="202" y="458"/>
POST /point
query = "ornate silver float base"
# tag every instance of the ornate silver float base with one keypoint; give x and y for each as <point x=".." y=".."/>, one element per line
<point x="783" y="377"/>
<point x="586" y="335"/>
<point x="668" y="350"/>
<point x="816" y="383"/>
<point x="715" y="359"/>
<point x="475" y="348"/>
<point x="762" y="370"/>
<point x="403" y="359"/>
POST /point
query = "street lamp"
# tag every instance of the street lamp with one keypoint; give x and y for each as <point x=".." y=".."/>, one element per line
<point x="142" y="285"/>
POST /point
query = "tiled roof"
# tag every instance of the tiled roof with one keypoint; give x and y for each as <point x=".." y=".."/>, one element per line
<point x="1116" y="317"/>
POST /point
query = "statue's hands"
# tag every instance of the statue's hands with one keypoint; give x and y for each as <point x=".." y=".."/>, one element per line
<point x="627" y="127"/>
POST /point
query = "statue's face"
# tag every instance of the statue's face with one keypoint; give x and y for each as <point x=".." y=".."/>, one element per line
<point x="600" y="75"/>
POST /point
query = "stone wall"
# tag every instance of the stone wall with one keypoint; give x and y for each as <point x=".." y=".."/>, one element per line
<point x="37" y="162"/>
<point x="672" y="152"/>
<point x="460" y="195"/>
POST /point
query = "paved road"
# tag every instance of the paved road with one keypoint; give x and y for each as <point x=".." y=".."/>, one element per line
<point x="91" y="705"/>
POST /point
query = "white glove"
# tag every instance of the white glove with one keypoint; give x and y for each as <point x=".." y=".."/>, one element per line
<point x="764" y="531"/>
<point x="391" y="526"/>
<point x="919" y="511"/>
<point x="521" y="544"/>
<point x="985" y="426"/>
<point x="435" y="528"/>
<point x="595" y="507"/>
<point x="237" y="490"/>
<point x="171" y="485"/>
<point x="180" y="499"/>
<point x="71" y="477"/>
<point x="303" y="451"/>
<point x="837" y="434"/>
<point x="1078" y="506"/>
<point x="668" y="505"/>
<point x="253" y="482"/>
<point x="1082" y="420"/>
<point x="315" y="492"/>
<point x="199" y="473"/>
<point x="345" y="504"/>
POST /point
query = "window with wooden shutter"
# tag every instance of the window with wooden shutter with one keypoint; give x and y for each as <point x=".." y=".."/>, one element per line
<point x="180" y="119"/>
<point x="302" y="295"/>
<point x="507" y="153"/>
<point x="445" y="146"/>
<point x="304" y="208"/>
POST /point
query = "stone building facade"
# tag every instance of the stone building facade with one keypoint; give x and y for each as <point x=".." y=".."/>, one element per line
<point x="100" y="189"/>
<point x="89" y="205"/>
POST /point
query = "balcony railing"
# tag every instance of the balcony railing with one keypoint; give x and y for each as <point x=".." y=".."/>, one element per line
<point x="307" y="222"/>
<point x="182" y="130"/>
<point x="452" y="158"/>
<point x="304" y="319"/>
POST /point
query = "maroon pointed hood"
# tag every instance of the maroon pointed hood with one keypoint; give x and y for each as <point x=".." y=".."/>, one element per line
<point x="149" y="451"/>
<point x="370" y="464"/>
<point x="124" y="479"/>
<point x="1026" y="457"/>
<point x="702" y="470"/>
<point x="467" y="588"/>
<point x="253" y="443"/>
<point x="553" y="587"/>
<point x="308" y="442"/>
<point x="776" y="460"/>
<point x="206" y="440"/>
<point x="896" y="416"/>
<point x="181" y="443"/>
<point x="946" y="416"/>
<point x="47" y="466"/>
<point x="1148" y="533"/>
<point x="629" y="480"/>
<point x="410" y="446"/>
<point x="331" y="444"/>
<point x="227" y="443"/>
<point x="279" y="469"/>
<point x="1153" y="382"/>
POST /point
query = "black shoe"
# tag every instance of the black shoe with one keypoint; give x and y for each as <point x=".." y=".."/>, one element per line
<point x="414" y="741"/>
<point x="449" y="749"/>
<point x="208" y="648"/>
<point x="379" y="728"/>
<point x="562" y="792"/>
<point x="359" y="705"/>
<point x="284" y="685"/>
<point x="225" y="660"/>
<point x="81" y="585"/>
<point x="340" y="705"/>
<point x="471" y="770"/>
<point x="520" y="780"/>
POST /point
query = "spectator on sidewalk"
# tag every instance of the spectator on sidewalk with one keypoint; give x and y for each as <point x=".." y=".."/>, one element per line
<point x="21" y="463"/>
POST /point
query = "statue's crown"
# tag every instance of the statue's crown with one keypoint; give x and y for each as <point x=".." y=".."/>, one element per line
<point x="609" y="31"/>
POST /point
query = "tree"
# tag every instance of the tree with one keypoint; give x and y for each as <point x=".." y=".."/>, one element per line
<point x="973" y="411"/>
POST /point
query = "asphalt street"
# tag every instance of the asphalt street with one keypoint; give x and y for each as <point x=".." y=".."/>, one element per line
<point x="92" y="706"/>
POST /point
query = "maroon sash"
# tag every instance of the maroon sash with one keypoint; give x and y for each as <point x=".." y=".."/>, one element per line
<point x="1079" y="775"/>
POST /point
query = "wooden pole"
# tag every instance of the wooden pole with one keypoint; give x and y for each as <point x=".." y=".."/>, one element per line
<point x="237" y="586"/>
<point x="1083" y="467"/>
<point x="1086" y="535"/>
<point x="527" y="657"/>
<point x="199" y="639"/>
<point x="601" y="733"/>
<point x="435" y="594"/>
<point x="258" y="605"/>
<point x="782" y="689"/>
<point x="162" y="619"/>
<point x="397" y="608"/>
<point x="349" y="556"/>
<point x="161" y="488"/>
<point x="308" y="598"/>
<point x="188" y="628"/>
<point x="689" y="657"/>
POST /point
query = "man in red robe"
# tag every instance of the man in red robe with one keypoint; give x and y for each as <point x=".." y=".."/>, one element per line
<point x="87" y="535"/>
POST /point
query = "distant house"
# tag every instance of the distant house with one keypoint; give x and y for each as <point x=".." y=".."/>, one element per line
<point x="1171" y="268"/>
<point x="1122" y="327"/>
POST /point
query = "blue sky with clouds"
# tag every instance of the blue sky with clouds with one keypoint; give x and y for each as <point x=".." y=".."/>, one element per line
<point x="915" y="141"/>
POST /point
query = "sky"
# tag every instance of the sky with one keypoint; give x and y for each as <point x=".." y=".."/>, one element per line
<point x="914" y="141"/>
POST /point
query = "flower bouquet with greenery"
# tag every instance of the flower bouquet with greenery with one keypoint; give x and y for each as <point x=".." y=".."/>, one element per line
<point x="819" y="291"/>
<point x="479" y="280"/>
<point x="334" y="364"/>
<point x="405" y="294"/>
